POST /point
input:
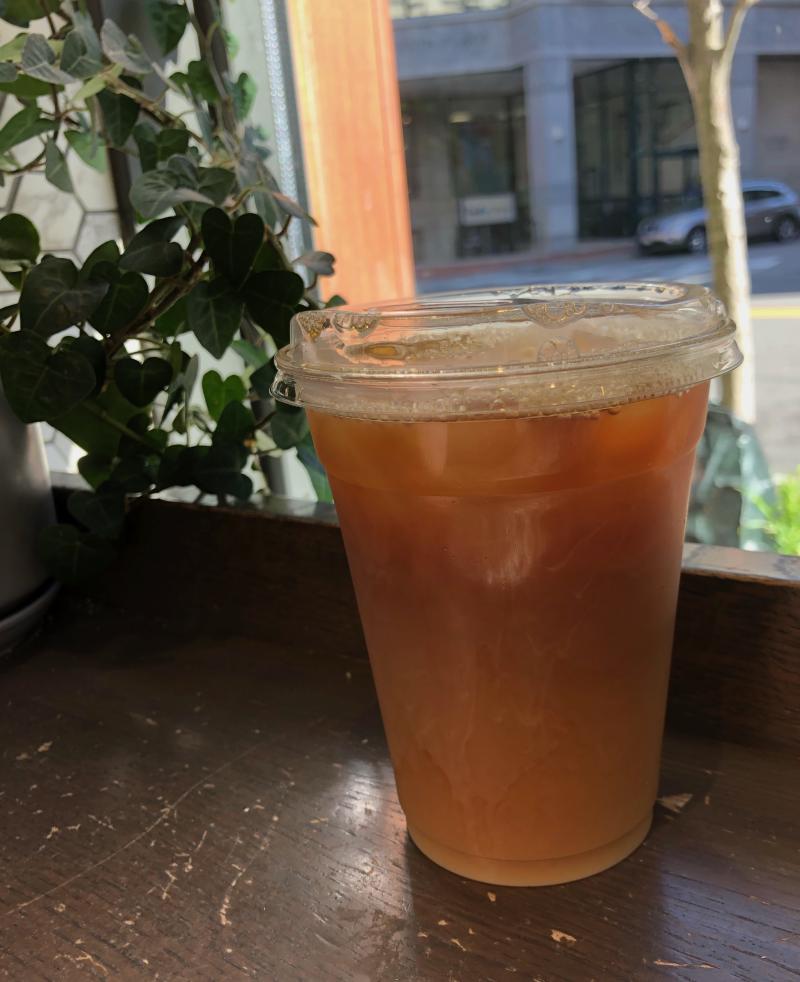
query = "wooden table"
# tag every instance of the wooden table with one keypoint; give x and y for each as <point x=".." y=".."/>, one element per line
<point x="181" y="801"/>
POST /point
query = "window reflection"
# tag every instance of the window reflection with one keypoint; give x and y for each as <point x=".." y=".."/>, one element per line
<point x="636" y="144"/>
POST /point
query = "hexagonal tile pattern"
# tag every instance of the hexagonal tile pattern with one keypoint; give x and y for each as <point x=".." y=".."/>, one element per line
<point x="56" y="214"/>
<point x="7" y="192"/>
<point x="95" y="191"/>
<point x="70" y="225"/>
<point x="97" y="227"/>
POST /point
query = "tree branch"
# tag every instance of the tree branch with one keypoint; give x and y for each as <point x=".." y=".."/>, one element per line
<point x="670" y="38"/>
<point x="735" y="24"/>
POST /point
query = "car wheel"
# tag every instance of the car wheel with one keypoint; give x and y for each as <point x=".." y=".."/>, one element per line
<point x="786" y="228"/>
<point x="696" y="240"/>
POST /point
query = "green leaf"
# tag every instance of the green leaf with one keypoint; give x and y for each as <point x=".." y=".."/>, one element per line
<point x="173" y="321"/>
<point x="231" y="44"/>
<point x="172" y="141"/>
<point x="307" y="455"/>
<point x="282" y="286"/>
<point x="183" y="380"/>
<point x="145" y="136"/>
<point x="184" y="169"/>
<point x="53" y="298"/>
<point x="55" y="168"/>
<point x="106" y="252"/>
<point x="134" y="474"/>
<point x="271" y="297"/>
<point x="12" y="50"/>
<point x="88" y="148"/>
<point x="95" y="470"/>
<point x="216" y="183"/>
<point x="288" y="426"/>
<point x="250" y="354"/>
<point x="168" y="22"/>
<point x="244" y="94"/>
<point x="14" y="278"/>
<point x="26" y="88"/>
<point x="128" y="446"/>
<point x="125" y="50"/>
<point x="22" y="12"/>
<point x="38" y="61"/>
<point x="269" y="257"/>
<point x="335" y="301"/>
<point x="318" y="262"/>
<point x="18" y="238"/>
<point x="39" y="383"/>
<point x="198" y="79"/>
<point x="94" y="352"/>
<point x="89" y="88"/>
<point x="218" y="392"/>
<point x="177" y="466"/>
<point x="236" y="424"/>
<point x="103" y="514"/>
<point x="214" y="313"/>
<point x="73" y="556"/>
<point x="291" y="207"/>
<point x="140" y="382"/>
<point x="93" y="424"/>
<point x="7" y="72"/>
<point x="262" y="378"/>
<point x="220" y="471"/>
<point x="232" y="246"/>
<point x="22" y="126"/>
<point x="120" y="113"/>
<point x="151" y="251"/>
<point x="155" y="191"/>
<point x="213" y="391"/>
<point x="126" y="298"/>
<point x="81" y="55"/>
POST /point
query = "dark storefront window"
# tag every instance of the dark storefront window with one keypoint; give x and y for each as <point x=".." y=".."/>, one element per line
<point x="466" y="158"/>
<point x="492" y="202"/>
<point x="636" y="145"/>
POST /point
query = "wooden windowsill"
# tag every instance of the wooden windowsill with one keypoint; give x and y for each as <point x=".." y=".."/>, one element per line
<point x="208" y="795"/>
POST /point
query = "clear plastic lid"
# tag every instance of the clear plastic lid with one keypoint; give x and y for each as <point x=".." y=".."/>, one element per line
<point x="533" y="351"/>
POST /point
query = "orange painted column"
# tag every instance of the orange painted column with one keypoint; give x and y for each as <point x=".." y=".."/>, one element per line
<point x="349" y="104"/>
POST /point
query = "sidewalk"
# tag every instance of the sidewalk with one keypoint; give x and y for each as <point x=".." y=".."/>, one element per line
<point x="512" y="260"/>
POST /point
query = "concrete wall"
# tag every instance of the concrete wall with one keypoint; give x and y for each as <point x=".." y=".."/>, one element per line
<point x="546" y="37"/>
<point x="778" y="128"/>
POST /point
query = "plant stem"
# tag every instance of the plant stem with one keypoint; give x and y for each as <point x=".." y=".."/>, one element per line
<point x="31" y="165"/>
<point x="284" y="227"/>
<point x="125" y="430"/>
<point x="161" y="304"/>
<point x="152" y="109"/>
<point x="50" y="22"/>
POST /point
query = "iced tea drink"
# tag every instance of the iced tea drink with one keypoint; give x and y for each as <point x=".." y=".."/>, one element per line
<point x="517" y="581"/>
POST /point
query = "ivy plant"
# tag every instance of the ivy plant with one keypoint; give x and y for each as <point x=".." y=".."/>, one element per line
<point x="99" y="351"/>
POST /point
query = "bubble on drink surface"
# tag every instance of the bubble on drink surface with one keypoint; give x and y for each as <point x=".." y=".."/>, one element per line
<point x="558" y="349"/>
<point x="361" y="323"/>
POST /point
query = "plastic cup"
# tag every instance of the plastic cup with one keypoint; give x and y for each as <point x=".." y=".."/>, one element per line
<point x="511" y="473"/>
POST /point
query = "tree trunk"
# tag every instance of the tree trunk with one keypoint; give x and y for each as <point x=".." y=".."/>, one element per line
<point x="709" y="85"/>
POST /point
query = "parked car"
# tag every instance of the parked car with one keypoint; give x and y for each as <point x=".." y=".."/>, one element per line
<point x="770" y="209"/>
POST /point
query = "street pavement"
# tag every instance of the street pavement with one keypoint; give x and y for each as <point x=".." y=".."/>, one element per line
<point x="775" y="274"/>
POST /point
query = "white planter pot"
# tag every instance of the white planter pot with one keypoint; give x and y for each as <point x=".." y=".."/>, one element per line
<point x="26" y="506"/>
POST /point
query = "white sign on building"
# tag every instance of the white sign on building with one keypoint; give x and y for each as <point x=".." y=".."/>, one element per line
<point x="487" y="209"/>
